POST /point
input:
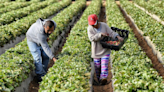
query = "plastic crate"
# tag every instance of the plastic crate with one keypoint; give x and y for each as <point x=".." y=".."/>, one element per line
<point x="107" y="42"/>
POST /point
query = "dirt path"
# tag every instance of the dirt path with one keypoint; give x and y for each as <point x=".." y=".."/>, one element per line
<point x="109" y="86"/>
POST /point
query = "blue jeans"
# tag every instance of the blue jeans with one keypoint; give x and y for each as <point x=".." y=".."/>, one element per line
<point x="41" y="60"/>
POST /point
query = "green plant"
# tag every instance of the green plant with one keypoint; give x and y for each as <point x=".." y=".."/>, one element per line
<point x="132" y="69"/>
<point x="19" y="27"/>
<point x="17" y="62"/>
<point x="147" y="24"/>
<point x="71" y="71"/>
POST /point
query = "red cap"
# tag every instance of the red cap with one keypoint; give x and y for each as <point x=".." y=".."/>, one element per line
<point x="92" y="19"/>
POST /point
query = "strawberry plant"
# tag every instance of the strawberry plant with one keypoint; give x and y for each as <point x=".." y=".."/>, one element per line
<point x="19" y="27"/>
<point x="17" y="62"/>
<point x="63" y="21"/>
<point x="147" y="24"/>
<point x="73" y="65"/>
<point x="4" y="1"/>
<point x="4" y="4"/>
<point x="14" y="15"/>
<point x="13" y="6"/>
<point x="154" y="7"/>
<point x="132" y="69"/>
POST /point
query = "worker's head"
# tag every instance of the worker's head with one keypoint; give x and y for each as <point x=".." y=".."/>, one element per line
<point x="49" y="27"/>
<point x="93" y="20"/>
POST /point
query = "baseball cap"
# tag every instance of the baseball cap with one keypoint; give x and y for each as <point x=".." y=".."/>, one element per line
<point x="92" y="19"/>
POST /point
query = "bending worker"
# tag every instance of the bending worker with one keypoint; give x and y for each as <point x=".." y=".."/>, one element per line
<point x="37" y="37"/>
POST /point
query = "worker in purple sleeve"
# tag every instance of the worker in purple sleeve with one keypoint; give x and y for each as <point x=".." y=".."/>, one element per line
<point x="37" y="38"/>
<point x="96" y="31"/>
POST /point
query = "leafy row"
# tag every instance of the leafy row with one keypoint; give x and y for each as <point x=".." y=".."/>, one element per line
<point x="155" y="3"/>
<point x="152" y="7"/>
<point x="132" y="69"/>
<point x="20" y="0"/>
<point x="17" y="62"/>
<point x="13" y="7"/>
<point x="30" y="0"/>
<point x="4" y="4"/>
<point x="19" y="27"/>
<point x="147" y="24"/>
<point x="14" y="15"/>
<point x="71" y="71"/>
<point x="2" y="1"/>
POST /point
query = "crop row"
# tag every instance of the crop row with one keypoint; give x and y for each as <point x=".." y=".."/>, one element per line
<point x="148" y="25"/>
<point x="155" y="3"/>
<point x="17" y="62"/>
<point x="19" y="27"/>
<point x="152" y="7"/>
<point x="4" y="4"/>
<point x="132" y="69"/>
<point x="14" y="7"/>
<point x="4" y="1"/>
<point x="71" y="71"/>
<point x="14" y="15"/>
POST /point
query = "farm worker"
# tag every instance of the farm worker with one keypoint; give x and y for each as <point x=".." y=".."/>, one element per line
<point x="37" y="38"/>
<point x="96" y="31"/>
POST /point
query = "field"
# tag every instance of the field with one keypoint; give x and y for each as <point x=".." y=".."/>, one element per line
<point x="136" y="67"/>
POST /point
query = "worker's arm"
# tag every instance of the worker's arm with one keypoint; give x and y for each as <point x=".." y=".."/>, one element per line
<point x="43" y="42"/>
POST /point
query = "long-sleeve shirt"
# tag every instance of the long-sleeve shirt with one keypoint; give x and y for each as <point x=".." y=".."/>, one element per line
<point x="97" y="50"/>
<point x="36" y="33"/>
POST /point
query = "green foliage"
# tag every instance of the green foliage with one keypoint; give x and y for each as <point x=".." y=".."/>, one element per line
<point x="14" y="15"/>
<point x="63" y="21"/>
<point x="20" y="0"/>
<point x="19" y="27"/>
<point x="153" y="6"/>
<point x="2" y="1"/>
<point x="132" y="69"/>
<point x="71" y="71"/>
<point x="147" y="24"/>
<point x="4" y="4"/>
<point x="17" y="62"/>
<point x="13" y="6"/>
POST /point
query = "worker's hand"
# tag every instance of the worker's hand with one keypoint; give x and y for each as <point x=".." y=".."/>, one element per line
<point x="120" y="38"/>
<point x="54" y="59"/>
<point x="47" y="39"/>
<point x="104" y="34"/>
